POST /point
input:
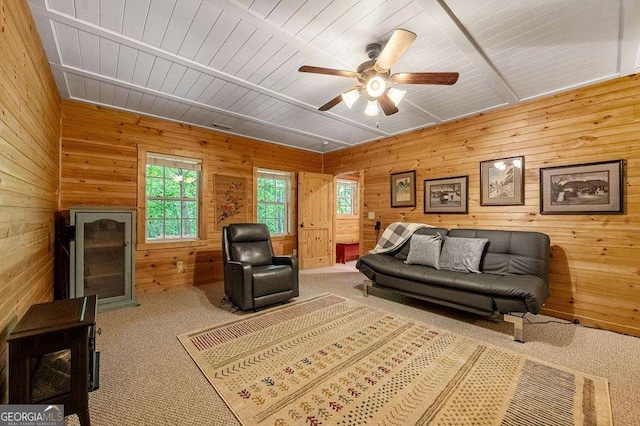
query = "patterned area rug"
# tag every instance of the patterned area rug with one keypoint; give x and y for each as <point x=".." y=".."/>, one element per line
<point x="331" y="360"/>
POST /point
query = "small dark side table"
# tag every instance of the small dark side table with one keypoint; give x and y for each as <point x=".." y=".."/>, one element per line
<point x="49" y="335"/>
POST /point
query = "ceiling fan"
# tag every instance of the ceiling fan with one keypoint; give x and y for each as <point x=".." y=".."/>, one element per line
<point x="375" y="75"/>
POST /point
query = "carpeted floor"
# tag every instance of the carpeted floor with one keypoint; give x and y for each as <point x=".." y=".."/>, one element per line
<point x="146" y="376"/>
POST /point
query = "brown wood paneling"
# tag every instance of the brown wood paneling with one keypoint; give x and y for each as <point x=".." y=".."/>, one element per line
<point x="99" y="167"/>
<point x="347" y="229"/>
<point x="29" y="159"/>
<point x="595" y="275"/>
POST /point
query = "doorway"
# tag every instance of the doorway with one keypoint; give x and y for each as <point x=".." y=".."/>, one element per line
<point x="348" y="215"/>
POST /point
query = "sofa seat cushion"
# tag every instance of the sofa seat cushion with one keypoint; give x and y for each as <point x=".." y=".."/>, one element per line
<point x="530" y="288"/>
<point x="473" y="302"/>
<point x="270" y="279"/>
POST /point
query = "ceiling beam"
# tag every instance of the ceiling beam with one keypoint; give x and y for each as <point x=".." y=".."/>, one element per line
<point x="456" y="31"/>
<point x="51" y="45"/>
<point x="131" y="86"/>
<point x="144" y="47"/>
<point x="266" y="27"/>
<point x="629" y="36"/>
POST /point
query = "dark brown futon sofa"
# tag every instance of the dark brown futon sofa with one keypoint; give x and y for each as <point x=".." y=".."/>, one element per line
<point x="514" y="276"/>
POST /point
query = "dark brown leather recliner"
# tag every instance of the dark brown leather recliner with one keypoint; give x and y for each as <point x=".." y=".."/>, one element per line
<point x="253" y="276"/>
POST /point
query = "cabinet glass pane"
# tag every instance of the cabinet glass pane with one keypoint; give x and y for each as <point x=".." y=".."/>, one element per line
<point x="104" y="258"/>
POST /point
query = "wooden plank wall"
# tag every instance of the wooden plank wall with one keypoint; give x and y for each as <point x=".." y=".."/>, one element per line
<point x="99" y="167"/>
<point x="347" y="229"/>
<point x="29" y="157"/>
<point x="595" y="274"/>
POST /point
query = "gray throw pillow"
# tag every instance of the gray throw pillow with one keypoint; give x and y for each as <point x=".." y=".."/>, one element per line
<point x="462" y="254"/>
<point x="425" y="250"/>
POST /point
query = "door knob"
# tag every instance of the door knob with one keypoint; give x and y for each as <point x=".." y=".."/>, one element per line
<point x="302" y="225"/>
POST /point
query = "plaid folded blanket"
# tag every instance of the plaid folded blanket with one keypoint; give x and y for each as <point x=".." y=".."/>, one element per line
<point x="395" y="235"/>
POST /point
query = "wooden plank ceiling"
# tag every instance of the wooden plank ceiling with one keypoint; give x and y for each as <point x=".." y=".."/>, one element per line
<point x="233" y="65"/>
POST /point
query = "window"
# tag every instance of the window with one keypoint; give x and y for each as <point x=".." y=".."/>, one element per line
<point x="172" y="197"/>
<point x="273" y="193"/>
<point x="347" y="197"/>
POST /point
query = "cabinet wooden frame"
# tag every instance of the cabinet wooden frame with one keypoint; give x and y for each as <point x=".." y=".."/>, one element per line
<point x="79" y="271"/>
<point x="203" y="199"/>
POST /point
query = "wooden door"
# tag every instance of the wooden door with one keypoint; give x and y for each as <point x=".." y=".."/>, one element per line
<point x="315" y="220"/>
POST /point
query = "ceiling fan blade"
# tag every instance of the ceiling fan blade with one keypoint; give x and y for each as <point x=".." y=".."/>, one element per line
<point x="447" y="78"/>
<point x="328" y="71"/>
<point x="395" y="47"/>
<point x="387" y="104"/>
<point x="333" y="102"/>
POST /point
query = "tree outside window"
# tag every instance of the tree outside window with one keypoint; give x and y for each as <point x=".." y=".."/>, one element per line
<point x="347" y="197"/>
<point x="273" y="194"/>
<point x="172" y="186"/>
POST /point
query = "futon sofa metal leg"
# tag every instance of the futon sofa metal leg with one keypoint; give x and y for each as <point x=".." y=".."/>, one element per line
<point x="518" y="327"/>
<point x="365" y="287"/>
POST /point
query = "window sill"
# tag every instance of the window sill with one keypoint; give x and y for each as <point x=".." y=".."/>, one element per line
<point x="159" y="245"/>
<point x="346" y="216"/>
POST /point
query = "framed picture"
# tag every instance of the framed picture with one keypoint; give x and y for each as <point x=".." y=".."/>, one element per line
<point x="502" y="182"/>
<point x="446" y="196"/>
<point x="593" y="188"/>
<point x="403" y="189"/>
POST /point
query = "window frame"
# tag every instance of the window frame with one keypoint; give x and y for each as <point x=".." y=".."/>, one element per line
<point x="289" y="198"/>
<point x="354" y="197"/>
<point x="201" y="205"/>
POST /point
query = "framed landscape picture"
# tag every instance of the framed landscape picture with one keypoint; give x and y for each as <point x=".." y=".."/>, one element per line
<point x="502" y="182"/>
<point x="593" y="188"/>
<point x="403" y="189"/>
<point x="447" y="195"/>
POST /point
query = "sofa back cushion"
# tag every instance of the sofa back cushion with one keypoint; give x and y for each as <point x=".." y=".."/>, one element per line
<point x="512" y="252"/>
<point x="403" y="250"/>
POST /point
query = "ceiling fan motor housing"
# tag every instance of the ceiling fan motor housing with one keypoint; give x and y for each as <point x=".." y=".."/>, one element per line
<point x="373" y="50"/>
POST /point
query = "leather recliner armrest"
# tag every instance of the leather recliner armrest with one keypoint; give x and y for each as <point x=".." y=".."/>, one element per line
<point x="293" y="262"/>
<point x="285" y="260"/>
<point x="240" y="281"/>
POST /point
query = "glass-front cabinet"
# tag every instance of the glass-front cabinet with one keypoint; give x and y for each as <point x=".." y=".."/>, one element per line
<point x="102" y="256"/>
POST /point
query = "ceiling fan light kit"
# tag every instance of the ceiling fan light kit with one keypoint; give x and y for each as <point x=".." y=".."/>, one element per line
<point x="375" y="76"/>
<point x="350" y="97"/>
<point x="372" y="108"/>
<point x="396" y="95"/>
<point x="376" y="86"/>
